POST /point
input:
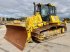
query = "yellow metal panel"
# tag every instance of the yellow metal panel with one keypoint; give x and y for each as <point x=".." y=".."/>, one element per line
<point x="34" y="21"/>
<point x="54" y="19"/>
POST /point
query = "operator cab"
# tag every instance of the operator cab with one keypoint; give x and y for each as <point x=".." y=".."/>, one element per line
<point x="46" y="10"/>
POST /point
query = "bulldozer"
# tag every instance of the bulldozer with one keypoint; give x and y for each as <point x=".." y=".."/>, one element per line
<point x="43" y="25"/>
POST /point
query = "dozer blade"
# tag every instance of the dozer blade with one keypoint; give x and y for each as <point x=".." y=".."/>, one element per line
<point x="17" y="35"/>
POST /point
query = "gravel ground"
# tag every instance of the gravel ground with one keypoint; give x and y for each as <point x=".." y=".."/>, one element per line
<point x="60" y="44"/>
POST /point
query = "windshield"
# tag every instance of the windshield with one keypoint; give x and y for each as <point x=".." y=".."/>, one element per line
<point x="44" y="10"/>
<point x="48" y="10"/>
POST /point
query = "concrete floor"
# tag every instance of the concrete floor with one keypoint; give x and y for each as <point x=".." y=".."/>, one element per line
<point x="60" y="44"/>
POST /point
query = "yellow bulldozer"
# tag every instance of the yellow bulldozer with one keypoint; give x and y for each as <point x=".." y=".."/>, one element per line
<point x="43" y="25"/>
